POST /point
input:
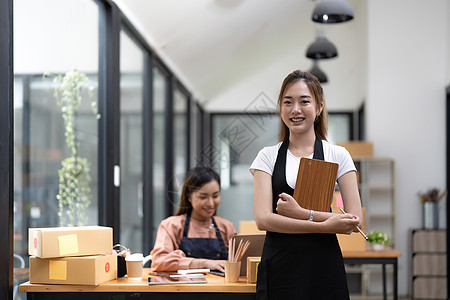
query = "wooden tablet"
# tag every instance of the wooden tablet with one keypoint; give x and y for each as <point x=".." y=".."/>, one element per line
<point x="315" y="184"/>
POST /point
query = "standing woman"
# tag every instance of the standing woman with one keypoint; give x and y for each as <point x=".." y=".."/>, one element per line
<point x="301" y="258"/>
<point x="195" y="237"/>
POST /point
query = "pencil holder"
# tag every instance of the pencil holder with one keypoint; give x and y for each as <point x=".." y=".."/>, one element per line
<point x="232" y="271"/>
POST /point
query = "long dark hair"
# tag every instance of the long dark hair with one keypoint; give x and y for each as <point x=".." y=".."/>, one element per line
<point x="195" y="179"/>
<point x="321" y="122"/>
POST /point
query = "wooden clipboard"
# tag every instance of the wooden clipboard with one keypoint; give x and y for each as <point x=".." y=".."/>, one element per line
<point x="315" y="184"/>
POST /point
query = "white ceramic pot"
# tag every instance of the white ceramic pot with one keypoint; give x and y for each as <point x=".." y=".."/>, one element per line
<point x="377" y="247"/>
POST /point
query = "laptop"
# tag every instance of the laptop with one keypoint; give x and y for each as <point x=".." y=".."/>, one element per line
<point x="254" y="249"/>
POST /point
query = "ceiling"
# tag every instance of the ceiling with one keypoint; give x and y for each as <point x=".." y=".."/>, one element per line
<point x="216" y="45"/>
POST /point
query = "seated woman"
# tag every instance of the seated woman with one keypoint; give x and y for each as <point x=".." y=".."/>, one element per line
<point x="195" y="237"/>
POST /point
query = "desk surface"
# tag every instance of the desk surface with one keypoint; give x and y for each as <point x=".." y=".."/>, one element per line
<point x="216" y="284"/>
<point x="388" y="253"/>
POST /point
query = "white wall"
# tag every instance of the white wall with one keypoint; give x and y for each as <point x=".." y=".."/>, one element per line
<point x="407" y="53"/>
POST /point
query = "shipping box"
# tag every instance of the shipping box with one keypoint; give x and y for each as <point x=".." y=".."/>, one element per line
<point x="249" y="227"/>
<point x="83" y="270"/>
<point x="69" y="241"/>
<point x="358" y="149"/>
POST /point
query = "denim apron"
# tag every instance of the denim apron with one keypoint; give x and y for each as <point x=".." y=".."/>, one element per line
<point x="208" y="248"/>
<point x="299" y="266"/>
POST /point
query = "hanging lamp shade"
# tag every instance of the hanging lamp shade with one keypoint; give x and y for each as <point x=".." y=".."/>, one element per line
<point x="332" y="11"/>
<point x="316" y="71"/>
<point x="322" y="48"/>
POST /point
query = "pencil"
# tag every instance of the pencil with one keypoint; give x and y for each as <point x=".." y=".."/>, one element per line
<point x="359" y="229"/>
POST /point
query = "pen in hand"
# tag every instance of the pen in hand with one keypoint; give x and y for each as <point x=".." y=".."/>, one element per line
<point x="359" y="229"/>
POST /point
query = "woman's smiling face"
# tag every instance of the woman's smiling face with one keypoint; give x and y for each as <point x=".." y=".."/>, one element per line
<point x="299" y="108"/>
<point x="205" y="201"/>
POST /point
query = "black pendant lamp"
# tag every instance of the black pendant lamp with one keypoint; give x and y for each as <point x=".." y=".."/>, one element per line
<point x="332" y="11"/>
<point x="316" y="71"/>
<point x="322" y="48"/>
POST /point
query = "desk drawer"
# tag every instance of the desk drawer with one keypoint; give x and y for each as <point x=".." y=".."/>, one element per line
<point x="429" y="241"/>
<point x="427" y="264"/>
<point x="430" y="288"/>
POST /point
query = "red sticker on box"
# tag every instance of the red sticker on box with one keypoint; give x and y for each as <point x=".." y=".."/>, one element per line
<point x="35" y="243"/>
<point x="107" y="267"/>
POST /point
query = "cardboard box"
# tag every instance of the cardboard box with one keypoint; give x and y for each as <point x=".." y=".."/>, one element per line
<point x="358" y="148"/>
<point x="252" y="268"/>
<point x="84" y="270"/>
<point x="249" y="227"/>
<point x="69" y="241"/>
<point x="352" y="242"/>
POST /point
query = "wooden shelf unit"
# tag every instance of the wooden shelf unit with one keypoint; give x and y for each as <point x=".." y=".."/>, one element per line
<point x="377" y="188"/>
<point x="376" y="181"/>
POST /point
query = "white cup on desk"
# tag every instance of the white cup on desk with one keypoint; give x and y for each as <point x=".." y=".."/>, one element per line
<point x="134" y="266"/>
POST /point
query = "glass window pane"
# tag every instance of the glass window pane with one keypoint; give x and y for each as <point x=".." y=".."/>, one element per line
<point x="180" y="143"/>
<point x="159" y="157"/>
<point x="339" y="127"/>
<point x="237" y="140"/>
<point x="56" y="37"/>
<point x="131" y="148"/>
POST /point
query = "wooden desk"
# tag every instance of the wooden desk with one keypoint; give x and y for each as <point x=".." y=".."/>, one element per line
<point x="125" y="289"/>
<point x="383" y="258"/>
<point x="216" y="288"/>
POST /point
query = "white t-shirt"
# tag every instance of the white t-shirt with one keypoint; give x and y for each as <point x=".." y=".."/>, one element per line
<point x="266" y="158"/>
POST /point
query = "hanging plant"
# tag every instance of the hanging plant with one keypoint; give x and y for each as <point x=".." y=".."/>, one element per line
<point x="74" y="195"/>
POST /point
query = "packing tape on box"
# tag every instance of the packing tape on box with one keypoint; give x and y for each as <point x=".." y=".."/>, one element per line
<point x="68" y="244"/>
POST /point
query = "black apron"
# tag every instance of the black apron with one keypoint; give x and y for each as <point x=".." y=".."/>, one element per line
<point x="203" y="247"/>
<point x="299" y="266"/>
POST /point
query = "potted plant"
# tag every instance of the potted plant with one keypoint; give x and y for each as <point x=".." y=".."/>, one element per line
<point x="379" y="239"/>
<point x="74" y="193"/>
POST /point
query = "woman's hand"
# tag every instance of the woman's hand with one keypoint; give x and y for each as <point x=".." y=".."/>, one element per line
<point x="199" y="263"/>
<point x="215" y="265"/>
<point x="342" y="223"/>
<point x="288" y="207"/>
